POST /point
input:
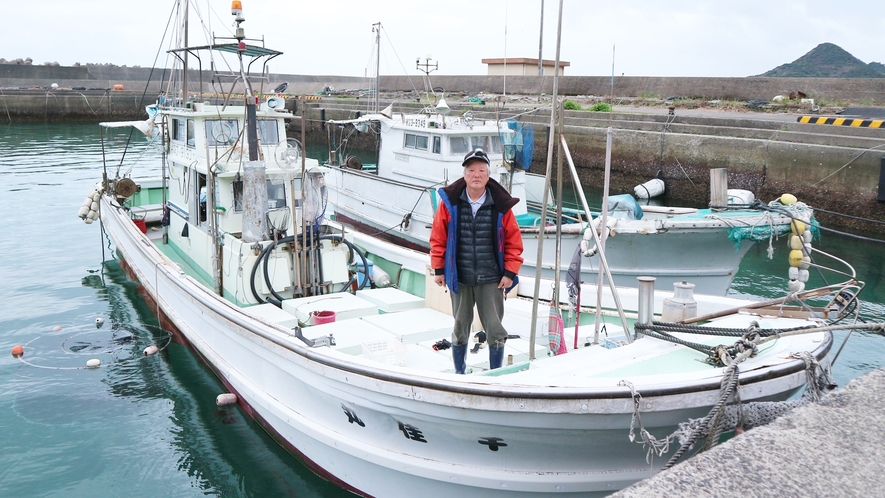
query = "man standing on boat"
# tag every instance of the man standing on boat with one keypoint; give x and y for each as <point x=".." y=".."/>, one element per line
<point x="476" y="250"/>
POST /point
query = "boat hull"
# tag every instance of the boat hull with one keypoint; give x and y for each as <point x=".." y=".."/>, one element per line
<point x="389" y="432"/>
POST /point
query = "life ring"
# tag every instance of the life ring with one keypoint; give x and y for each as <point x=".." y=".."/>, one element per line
<point x="222" y="132"/>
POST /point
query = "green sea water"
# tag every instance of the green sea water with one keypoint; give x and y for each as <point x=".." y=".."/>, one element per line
<point x="148" y="426"/>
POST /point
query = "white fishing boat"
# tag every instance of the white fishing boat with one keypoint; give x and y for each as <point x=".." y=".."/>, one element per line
<point x="420" y="152"/>
<point x="396" y="199"/>
<point x="355" y="379"/>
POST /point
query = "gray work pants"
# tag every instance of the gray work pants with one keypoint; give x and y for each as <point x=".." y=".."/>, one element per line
<point x="489" y="300"/>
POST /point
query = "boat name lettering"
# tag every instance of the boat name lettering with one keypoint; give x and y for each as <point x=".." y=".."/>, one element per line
<point x="352" y="417"/>
<point x="493" y="442"/>
<point x="401" y="157"/>
<point x="411" y="432"/>
<point x="417" y="122"/>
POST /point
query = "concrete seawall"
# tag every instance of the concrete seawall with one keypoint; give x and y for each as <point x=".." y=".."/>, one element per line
<point x="834" y="168"/>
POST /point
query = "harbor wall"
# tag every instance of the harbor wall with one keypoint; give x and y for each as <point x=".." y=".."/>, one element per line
<point x="834" y="168"/>
<point x="863" y="91"/>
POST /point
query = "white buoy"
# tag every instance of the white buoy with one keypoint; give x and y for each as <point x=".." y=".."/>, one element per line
<point x="93" y="363"/>
<point x="381" y="277"/>
<point x="740" y="196"/>
<point x="226" y="399"/>
<point x="99" y="322"/>
<point x="151" y="350"/>
<point x="649" y="189"/>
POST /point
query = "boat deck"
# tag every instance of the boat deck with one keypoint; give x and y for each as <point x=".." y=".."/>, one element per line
<point x="395" y="329"/>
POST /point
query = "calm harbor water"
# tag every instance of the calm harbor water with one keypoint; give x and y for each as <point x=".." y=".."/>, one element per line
<point x="148" y="426"/>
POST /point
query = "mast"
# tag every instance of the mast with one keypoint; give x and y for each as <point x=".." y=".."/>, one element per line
<point x="184" y="60"/>
<point x="377" y="29"/>
<point x="543" y="234"/>
<point x="254" y="176"/>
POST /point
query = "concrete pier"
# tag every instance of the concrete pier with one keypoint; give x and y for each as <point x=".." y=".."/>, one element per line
<point x="825" y="449"/>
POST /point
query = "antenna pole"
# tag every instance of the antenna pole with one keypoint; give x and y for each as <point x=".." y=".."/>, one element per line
<point x="541" y="43"/>
<point x="505" y="48"/>
<point x="377" y="29"/>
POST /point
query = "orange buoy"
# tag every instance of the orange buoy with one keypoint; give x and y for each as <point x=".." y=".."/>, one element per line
<point x="118" y="87"/>
<point x="18" y="350"/>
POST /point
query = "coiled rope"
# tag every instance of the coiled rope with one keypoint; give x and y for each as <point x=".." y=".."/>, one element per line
<point x="722" y="417"/>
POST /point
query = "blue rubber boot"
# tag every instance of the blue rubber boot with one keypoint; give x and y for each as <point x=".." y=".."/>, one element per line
<point x="496" y="357"/>
<point x="458" y="355"/>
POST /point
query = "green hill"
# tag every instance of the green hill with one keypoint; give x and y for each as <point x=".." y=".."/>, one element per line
<point x="828" y="61"/>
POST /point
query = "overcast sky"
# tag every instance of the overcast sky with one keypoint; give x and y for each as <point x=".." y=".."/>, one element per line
<point x="334" y="37"/>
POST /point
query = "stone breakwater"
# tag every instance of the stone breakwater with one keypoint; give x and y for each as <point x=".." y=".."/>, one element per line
<point x="821" y="449"/>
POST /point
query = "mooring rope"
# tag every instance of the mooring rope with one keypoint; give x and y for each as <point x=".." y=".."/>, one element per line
<point x="721" y="416"/>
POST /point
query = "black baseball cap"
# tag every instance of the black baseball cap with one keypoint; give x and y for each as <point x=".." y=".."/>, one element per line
<point x="477" y="155"/>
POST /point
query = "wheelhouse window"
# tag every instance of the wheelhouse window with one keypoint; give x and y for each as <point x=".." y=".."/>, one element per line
<point x="222" y="131"/>
<point x="200" y="196"/>
<point x="458" y="146"/>
<point x="490" y="143"/>
<point x="178" y="130"/>
<point x="268" y="131"/>
<point x="437" y="145"/>
<point x="238" y="195"/>
<point x="416" y="141"/>
<point x="276" y="194"/>
<point x="191" y="133"/>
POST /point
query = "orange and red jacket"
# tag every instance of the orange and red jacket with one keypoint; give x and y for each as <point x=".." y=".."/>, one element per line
<point x="508" y="240"/>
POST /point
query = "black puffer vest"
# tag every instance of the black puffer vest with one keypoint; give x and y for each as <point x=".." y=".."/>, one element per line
<point x="477" y="261"/>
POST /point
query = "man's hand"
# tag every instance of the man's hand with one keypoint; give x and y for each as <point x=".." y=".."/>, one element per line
<point x="505" y="283"/>
<point x="440" y="280"/>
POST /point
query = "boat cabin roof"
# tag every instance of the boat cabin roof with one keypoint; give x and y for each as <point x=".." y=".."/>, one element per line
<point x="251" y="50"/>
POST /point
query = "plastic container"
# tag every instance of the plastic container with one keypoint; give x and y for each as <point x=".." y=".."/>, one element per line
<point x="321" y="317"/>
<point x="141" y="224"/>
<point x="388" y="352"/>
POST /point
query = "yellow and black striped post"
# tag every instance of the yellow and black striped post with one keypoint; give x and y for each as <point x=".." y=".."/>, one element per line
<point x="856" y="123"/>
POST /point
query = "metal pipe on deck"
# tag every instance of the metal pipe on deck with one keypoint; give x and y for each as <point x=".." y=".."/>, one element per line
<point x="646" y="305"/>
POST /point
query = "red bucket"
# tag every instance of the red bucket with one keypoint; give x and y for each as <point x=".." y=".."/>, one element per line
<point x="141" y="224"/>
<point x="321" y="317"/>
